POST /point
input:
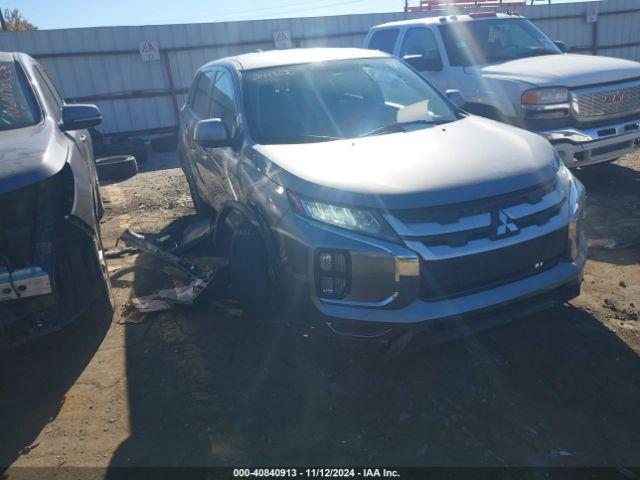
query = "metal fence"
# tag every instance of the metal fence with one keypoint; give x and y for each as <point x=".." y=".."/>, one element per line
<point x="104" y="65"/>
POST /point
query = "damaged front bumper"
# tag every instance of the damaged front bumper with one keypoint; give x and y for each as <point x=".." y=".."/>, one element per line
<point x="24" y="283"/>
<point x="585" y="146"/>
<point x="51" y="266"/>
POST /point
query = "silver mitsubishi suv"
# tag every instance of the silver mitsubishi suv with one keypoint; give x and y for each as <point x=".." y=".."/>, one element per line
<point x="347" y="188"/>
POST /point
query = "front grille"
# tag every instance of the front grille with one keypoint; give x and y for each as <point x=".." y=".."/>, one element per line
<point x="463" y="275"/>
<point x="612" y="101"/>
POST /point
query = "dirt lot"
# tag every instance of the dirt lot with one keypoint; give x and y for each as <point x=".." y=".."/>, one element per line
<point x="205" y="387"/>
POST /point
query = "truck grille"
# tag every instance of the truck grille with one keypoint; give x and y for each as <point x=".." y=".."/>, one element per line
<point x="611" y="101"/>
<point x="474" y="246"/>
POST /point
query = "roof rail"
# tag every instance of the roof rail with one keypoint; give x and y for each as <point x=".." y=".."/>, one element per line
<point x="438" y="5"/>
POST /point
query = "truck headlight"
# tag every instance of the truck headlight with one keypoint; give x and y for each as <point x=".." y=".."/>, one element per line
<point x="359" y="220"/>
<point x="545" y="96"/>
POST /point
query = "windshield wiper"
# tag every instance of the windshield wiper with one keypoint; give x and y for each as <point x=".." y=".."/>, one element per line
<point x="319" y="137"/>
<point x="537" y="52"/>
<point x="399" y="127"/>
<point x="308" y="138"/>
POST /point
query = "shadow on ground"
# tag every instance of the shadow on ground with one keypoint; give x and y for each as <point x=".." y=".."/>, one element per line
<point x="613" y="212"/>
<point x="208" y="387"/>
<point x="35" y="377"/>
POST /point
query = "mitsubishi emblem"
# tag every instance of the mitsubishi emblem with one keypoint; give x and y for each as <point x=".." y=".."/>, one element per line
<point x="505" y="225"/>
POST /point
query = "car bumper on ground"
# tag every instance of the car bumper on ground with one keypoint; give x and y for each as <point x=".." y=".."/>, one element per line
<point x="584" y="146"/>
<point x="385" y="299"/>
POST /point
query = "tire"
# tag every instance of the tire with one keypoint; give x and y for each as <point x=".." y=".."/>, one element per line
<point x="134" y="149"/>
<point x="251" y="281"/>
<point x="119" y="167"/>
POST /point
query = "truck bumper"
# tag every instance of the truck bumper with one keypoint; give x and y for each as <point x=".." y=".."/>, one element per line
<point x="585" y="146"/>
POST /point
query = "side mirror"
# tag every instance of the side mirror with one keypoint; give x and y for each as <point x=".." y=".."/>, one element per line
<point x="212" y="133"/>
<point x="561" y="45"/>
<point x="456" y="97"/>
<point x="79" y="116"/>
<point x="422" y="63"/>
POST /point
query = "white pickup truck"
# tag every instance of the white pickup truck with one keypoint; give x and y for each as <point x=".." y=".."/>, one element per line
<point x="503" y="67"/>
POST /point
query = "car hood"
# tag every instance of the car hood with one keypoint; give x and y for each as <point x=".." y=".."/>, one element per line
<point x="567" y="70"/>
<point x="466" y="160"/>
<point x="29" y="155"/>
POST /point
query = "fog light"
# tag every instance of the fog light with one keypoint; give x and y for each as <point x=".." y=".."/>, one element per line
<point x="325" y="261"/>
<point x="326" y="286"/>
<point x="333" y="274"/>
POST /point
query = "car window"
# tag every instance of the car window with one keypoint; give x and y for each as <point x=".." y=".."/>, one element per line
<point x="420" y="41"/>
<point x="52" y="88"/>
<point x="49" y="97"/>
<point x="223" y="101"/>
<point x="339" y="99"/>
<point x="495" y="40"/>
<point x="201" y="95"/>
<point x="18" y="106"/>
<point x="384" y="40"/>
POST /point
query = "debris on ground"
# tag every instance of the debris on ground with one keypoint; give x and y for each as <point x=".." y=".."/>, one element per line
<point x="28" y="448"/>
<point x="133" y="239"/>
<point x="194" y="235"/>
<point x="121" y="252"/>
<point x="196" y="281"/>
<point x="625" y="314"/>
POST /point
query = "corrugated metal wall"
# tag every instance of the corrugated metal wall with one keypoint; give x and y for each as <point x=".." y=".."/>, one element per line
<point x="70" y="55"/>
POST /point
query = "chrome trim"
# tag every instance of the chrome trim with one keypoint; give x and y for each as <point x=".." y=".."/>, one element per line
<point x="433" y="228"/>
<point x="550" y="200"/>
<point x="356" y="303"/>
<point x="591" y="98"/>
<point x="570" y="141"/>
<point x="411" y="232"/>
<point x="584" y="135"/>
<point x="407" y="267"/>
<point x="481" y="245"/>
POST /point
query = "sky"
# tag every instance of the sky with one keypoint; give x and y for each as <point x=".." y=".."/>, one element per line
<point x="48" y="14"/>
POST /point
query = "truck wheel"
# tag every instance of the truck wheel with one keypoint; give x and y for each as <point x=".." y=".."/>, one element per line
<point x="251" y="282"/>
<point x="118" y="167"/>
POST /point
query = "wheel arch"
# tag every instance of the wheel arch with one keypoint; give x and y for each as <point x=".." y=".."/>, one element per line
<point x="222" y="231"/>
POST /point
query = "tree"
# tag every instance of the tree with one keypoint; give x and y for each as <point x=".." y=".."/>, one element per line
<point x="14" y="20"/>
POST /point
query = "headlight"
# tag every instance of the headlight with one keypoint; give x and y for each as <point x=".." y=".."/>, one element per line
<point x="359" y="220"/>
<point x="545" y="96"/>
<point x="576" y="200"/>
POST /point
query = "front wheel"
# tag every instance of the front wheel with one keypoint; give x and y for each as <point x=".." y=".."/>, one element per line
<point x="251" y="281"/>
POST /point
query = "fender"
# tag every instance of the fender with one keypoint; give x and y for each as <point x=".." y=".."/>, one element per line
<point x="257" y="222"/>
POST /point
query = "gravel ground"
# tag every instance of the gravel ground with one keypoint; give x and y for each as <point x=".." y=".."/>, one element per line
<point x="203" y="386"/>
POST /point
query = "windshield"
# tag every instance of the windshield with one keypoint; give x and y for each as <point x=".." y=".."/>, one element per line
<point x="495" y="40"/>
<point x="17" y="105"/>
<point x="339" y="99"/>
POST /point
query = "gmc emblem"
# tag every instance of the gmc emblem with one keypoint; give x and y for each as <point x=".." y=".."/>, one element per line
<point x="615" y="97"/>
